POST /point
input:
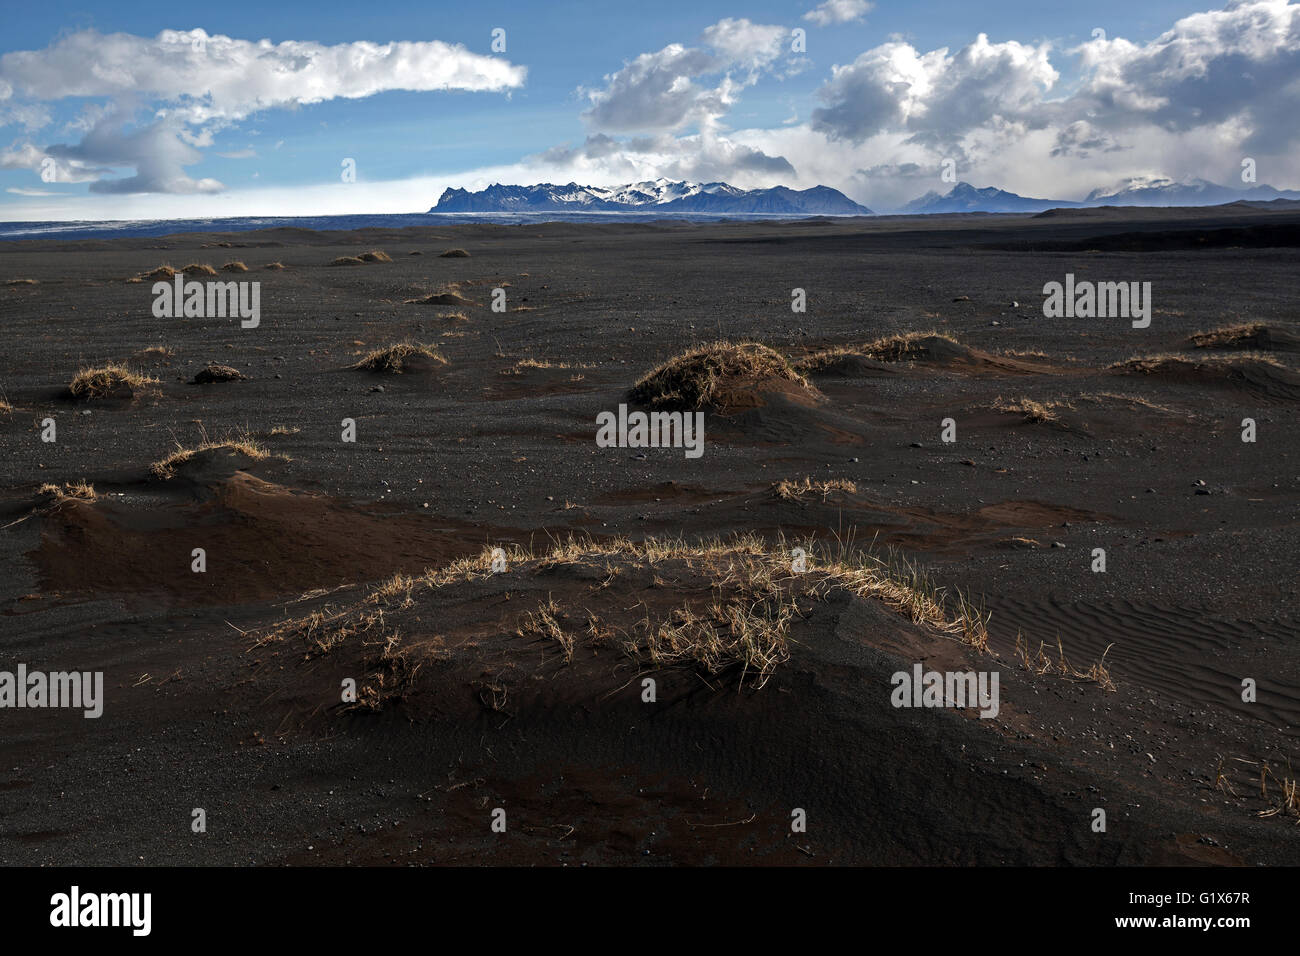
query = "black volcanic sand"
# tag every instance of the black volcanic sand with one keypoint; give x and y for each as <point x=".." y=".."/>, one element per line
<point x="217" y="698"/>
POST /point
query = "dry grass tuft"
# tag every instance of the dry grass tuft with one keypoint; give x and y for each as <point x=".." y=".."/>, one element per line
<point x="1246" y="336"/>
<point x="274" y="266"/>
<point x="751" y="636"/>
<point x="693" y="378"/>
<point x="1287" y="801"/>
<point x="543" y="623"/>
<point x="1040" y="662"/>
<point x="162" y="272"/>
<point x="394" y="358"/>
<point x="108" y="381"/>
<point x="347" y="261"/>
<point x="23" y="282"/>
<point x="234" y="265"/>
<point x="199" y="268"/>
<point x="1037" y="355"/>
<point x="1282" y="800"/>
<point x="798" y="490"/>
<point x="530" y="364"/>
<point x="1117" y="398"/>
<point x="79" y="491"/>
<point x="1034" y="412"/>
<point x="375" y="255"/>
<point x="454" y="254"/>
<point x="395" y="591"/>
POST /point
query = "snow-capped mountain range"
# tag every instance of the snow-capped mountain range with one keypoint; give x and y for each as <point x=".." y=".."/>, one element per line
<point x="1138" y="191"/>
<point x="661" y="195"/>
<point x="671" y="197"/>
<point x="1163" y="191"/>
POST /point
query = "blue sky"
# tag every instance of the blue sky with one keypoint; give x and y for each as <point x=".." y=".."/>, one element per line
<point x="605" y="93"/>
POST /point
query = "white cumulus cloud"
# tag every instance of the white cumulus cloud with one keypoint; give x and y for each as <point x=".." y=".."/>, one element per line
<point x="201" y="77"/>
<point x="934" y="95"/>
<point x="838" y="11"/>
<point x="194" y="83"/>
<point x="681" y="86"/>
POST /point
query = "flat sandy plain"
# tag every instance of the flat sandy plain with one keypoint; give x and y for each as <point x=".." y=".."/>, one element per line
<point x="522" y="690"/>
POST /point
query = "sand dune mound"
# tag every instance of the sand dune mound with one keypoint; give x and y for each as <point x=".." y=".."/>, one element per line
<point x="401" y="358"/>
<point x="262" y="540"/>
<point x="590" y="616"/>
<point x="886" y="354"/>
<point x="447" y="295"/>
<point x="843" y="363"/>
<point x="726" y="377"/>
<point x="1106" y="414"/>
<point x="210" y="460"/>
<point x="219" y="373"/>
<point x="113" y="381"/>
<point x="920" y="347"/>
<point x="1256" y="375"/>
<point x="719" y="646"/>
<point x="1253" y="337"/>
